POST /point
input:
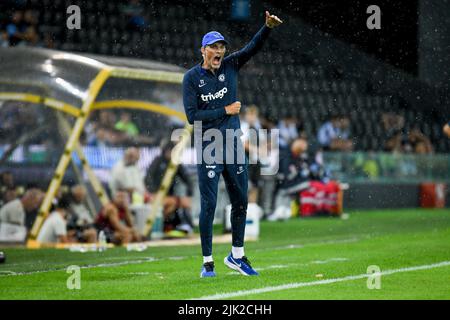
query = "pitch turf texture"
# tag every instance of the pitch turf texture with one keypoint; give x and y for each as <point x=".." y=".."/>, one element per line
<point x="319" y="258"/>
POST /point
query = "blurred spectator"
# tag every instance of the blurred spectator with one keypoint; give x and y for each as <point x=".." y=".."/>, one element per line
<point x="176" y="208"/>
<point x="116" y="221"/>
<point x="294" y="165"/>
<point x="292" y="177"/>
<point x="14" y="212"/>
<point x="80" y="223"/>
<point x="334" y="135"/>
<point x="268" y="122"/>
<point x="126" y="175"/>
<point x="8" y="190"/>
<point x="126" y="125"/>
<point x="54" y="229"/>
<point x="288" y="127"/>
<point x="135" y="12"/>
<point x="304" y="180"/>
<point x="393" y="125"/>
<point x="447" y="129"/>
<point x="250" y="120"/>
<point x="412" y="141"/>
<point x="104" y="137"/>
<point x="107" y="119"/>
<point x="102" y="132"/>
<point x="269" y="158"/>
<point x="420" y="144"/>
<point x="263" y="158"/>
<point x="19" y="118"/>
<point x="367" y="165"/>
<point x="106" y="132"/>
<point x="15" y="29"/>
<point x="392" y="122"/>
<point x="22" y="29"/>
<point x="251" y="138"/>
<point x="30" y="25"/>
<point x="4" y="39"/>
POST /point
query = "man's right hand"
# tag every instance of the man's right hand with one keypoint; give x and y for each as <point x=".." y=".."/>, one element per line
<point x="233" y="108"/>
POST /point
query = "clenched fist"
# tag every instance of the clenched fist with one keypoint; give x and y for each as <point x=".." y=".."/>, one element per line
<point x="233" y="108"/>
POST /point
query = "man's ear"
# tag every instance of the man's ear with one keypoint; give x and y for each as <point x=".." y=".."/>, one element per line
<point x="202" y="49"/>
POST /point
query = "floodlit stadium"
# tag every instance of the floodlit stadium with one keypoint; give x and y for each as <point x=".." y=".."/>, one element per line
<point x="110" y="112"/>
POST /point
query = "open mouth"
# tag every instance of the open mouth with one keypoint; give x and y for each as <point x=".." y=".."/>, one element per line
<point x="217" y="59"/>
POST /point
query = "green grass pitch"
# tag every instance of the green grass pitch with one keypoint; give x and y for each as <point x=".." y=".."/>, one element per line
<point x="319" y="258"/>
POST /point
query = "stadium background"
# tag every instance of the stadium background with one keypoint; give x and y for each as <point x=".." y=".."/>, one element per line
<point x="322" y="62"/>
<point x="317" y="65"/>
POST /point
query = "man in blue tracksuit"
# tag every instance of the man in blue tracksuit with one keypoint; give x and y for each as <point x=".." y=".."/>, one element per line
<point x="210" y="102"/>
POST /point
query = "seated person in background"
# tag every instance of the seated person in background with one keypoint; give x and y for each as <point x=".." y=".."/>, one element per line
<point x="14" y="211"/>
<point x="288" y="127"/>
<point x="250" y="125"/>
<point x="409" y="141"/>
<point x="80" y="224"/>
<point x="334" y="135"/>
<point x="294" y="167"/>
<point x="126" y="125"/>
<point x="447" y="129"/>
<point x="393" y="126"/>
<point x="116" y="221"/>
<point x="126" y="175"/>
<point x="176" y="208"/>
<point x="54" y="229"/>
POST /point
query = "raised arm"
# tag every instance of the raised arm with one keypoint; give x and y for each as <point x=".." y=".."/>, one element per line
<point x="242" y="56"/>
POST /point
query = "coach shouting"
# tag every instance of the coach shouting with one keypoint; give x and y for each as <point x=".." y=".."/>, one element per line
<point x="210" y="102"/>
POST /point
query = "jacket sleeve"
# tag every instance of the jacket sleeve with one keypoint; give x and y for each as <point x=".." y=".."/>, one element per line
<point x="191" y="107"/>
<point x="241" y="57"/>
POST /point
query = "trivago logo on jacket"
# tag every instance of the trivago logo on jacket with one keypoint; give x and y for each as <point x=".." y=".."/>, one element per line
<point x="218" y="95"/>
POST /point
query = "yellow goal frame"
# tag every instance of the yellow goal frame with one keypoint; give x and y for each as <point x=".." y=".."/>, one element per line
<point x="89" y="104"/>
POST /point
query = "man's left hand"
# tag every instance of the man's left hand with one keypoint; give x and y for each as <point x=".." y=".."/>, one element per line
<point x="272" y="21"/>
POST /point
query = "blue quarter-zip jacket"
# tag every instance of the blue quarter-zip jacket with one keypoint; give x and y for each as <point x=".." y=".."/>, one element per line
<point x="206" y="94"/>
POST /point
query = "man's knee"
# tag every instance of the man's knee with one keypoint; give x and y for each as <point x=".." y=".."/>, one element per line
<point x="209" y="205"/>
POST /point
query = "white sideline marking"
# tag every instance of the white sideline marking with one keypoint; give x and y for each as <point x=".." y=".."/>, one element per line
<point x="315" y="283"/>
<point x="89" y="266"/>
<point x="7" y="272"/>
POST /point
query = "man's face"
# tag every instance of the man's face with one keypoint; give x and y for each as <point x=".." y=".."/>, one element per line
<point x="251" y="117"/>
<point x="131" y="156"/>
<point x="121" y="199"/>
<point x="33" y="201"/>
<point x="213" y="55"/>
<point x="79" y="194"/>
